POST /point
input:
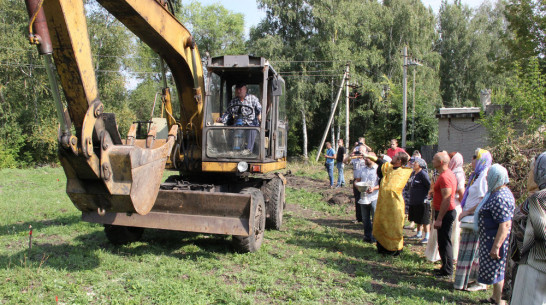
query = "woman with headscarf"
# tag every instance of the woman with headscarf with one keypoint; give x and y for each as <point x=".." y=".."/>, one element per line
<point x="467" y="260"/>
<point x="419" y="210"/>
<point x="493" y="220"/>
<point x="456" y="166"/>
<point x="530" y="283"/>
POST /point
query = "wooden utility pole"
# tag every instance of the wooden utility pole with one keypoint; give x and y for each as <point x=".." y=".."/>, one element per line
<point x="413" y="111"/>
<point x="345" y="77"/>
<point x="404" y="97"/>
<point x="347" y="110"/>
<point x="333" y="129"/>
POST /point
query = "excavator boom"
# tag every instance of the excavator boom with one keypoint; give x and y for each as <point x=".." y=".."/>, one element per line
<point x="106" y="172"/>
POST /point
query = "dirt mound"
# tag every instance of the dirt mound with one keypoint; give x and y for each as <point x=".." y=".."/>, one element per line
<point x="339" y="199"/>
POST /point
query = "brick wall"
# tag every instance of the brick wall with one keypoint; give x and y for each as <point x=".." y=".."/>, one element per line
<point x="461" y="134"/>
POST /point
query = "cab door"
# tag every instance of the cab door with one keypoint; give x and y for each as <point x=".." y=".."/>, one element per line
<point x="280" y="123"/>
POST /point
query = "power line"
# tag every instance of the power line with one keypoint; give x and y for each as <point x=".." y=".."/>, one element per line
<point x="314" y="75"/>
<point x="98" y="71"/>
<point x="94" y="55"/>
<point x="300" y="71"/>
<point x="277" y="61"/>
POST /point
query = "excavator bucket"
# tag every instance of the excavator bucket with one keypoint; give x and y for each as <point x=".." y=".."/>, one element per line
<point x="125" y="178"/>
<point x="191" y="211"/>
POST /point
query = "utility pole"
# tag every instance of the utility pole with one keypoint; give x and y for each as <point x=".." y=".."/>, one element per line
<point x="408" y="62"/>
<point x="333" y="129"/>
<point x="347" y="109"/>
<point x="404" y="97"/>
<point x="345" y="77"/>
<point x="413" y="111"/>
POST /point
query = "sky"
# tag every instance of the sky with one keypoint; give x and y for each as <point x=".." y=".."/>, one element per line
<point x="253" y="15"/>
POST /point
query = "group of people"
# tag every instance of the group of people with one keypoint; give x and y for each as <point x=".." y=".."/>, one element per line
<point x="472" y="221"/>
<point x="476" y="228"/>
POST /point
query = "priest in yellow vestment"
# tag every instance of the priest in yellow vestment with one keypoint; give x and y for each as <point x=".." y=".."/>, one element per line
<point x="388" y="222"/>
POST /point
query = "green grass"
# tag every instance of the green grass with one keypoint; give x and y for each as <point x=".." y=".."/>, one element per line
<point x="316" y="170"/>
<point x="318" y="257"/>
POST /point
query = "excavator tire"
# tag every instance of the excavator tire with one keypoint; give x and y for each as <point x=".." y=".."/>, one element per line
<point x="275" y="205"/>
<point x="122" y="235"/>
<point x="253" y="242"/>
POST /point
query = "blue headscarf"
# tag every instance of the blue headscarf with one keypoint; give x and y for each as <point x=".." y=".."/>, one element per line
<point x="496" y="177"/>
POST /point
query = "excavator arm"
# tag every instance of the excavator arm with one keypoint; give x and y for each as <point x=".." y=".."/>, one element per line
<point x="104" y="171"/>
<point x="159" y="29"/>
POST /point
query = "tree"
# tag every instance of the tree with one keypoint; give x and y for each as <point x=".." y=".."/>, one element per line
<point x="27" y="113"/>
<point x="527" y="25"/>
<point x="523" y="104"/>
<point x="455" y="49"/>
<point x="215" y="29"/>
<point x="311" y="41"/>
<point x="470" y="46"/>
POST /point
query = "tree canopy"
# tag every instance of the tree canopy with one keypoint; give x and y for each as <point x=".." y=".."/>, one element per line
<point x="496" y="46"/>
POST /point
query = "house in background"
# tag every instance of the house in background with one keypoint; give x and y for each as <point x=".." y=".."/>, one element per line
<point x="459" y="130"/>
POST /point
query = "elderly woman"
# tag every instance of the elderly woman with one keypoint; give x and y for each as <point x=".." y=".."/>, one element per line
<point x="530" y="283"/>
<point x="468" y="261"/>
<point x="456" y="166"/>
<point x="493" y="220"/>
<point x="419" y="210"/>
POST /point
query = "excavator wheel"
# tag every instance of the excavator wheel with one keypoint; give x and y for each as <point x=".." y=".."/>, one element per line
<point x="122" y="235"/>
<point x="253" y="242"/>
<point x="275" y="205"/>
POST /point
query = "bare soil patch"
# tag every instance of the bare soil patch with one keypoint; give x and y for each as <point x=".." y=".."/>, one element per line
<point x="338" y="196"/>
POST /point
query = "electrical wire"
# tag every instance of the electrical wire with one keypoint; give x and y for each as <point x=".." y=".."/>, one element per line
<point x="94" y="55"/>
<point x="99" y="71"/>
<point x="314" y="75"/>
<point x="339" y="60"/>
<point x="465" y="129"/>
<point x="312" y="71"/>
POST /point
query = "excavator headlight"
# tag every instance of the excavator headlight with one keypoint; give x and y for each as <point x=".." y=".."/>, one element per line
<point x="242" y="167"/>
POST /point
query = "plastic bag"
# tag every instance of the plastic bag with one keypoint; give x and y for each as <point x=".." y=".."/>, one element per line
<point x="431" y="253"/>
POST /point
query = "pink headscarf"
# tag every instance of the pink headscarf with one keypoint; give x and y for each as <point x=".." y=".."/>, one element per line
<point x="456" y="162"/>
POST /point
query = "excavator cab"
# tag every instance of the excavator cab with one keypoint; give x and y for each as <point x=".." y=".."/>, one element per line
<point x="234" y="131"/>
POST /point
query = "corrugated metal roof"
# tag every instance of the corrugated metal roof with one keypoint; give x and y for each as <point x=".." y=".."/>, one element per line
<point x="460" y="110"/>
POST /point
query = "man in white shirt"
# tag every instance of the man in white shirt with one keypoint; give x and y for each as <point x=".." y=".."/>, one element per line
<point x="368" y="201"/>
<point x="357" y="161"/>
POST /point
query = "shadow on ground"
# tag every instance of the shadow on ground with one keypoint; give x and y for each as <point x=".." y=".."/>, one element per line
<point x="18" y="227"/>
<point x="362" y="259"/>
<point x="80" y="253"/>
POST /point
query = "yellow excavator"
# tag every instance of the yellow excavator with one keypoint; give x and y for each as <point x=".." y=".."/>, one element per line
<point x="227" y="181"/>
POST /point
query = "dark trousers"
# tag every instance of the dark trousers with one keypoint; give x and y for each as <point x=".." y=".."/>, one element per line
<point x="444" y="241"/>
<point x="358" y="212"/>
<point x="367" y="221"/>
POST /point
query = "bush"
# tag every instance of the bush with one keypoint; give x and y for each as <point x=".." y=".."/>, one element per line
<point x="12" y="141"/>
<point x="7" y="156"/>
<point x="516" y="155"/>
<point x="523" y="104"/>
<point x="43" y="143"/>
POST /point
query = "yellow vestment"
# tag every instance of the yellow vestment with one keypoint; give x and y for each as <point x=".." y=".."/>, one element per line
<point x="388" y="221"/>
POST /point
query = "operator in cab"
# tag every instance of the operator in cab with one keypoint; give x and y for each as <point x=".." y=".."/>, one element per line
<point x="244" y="110"/>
